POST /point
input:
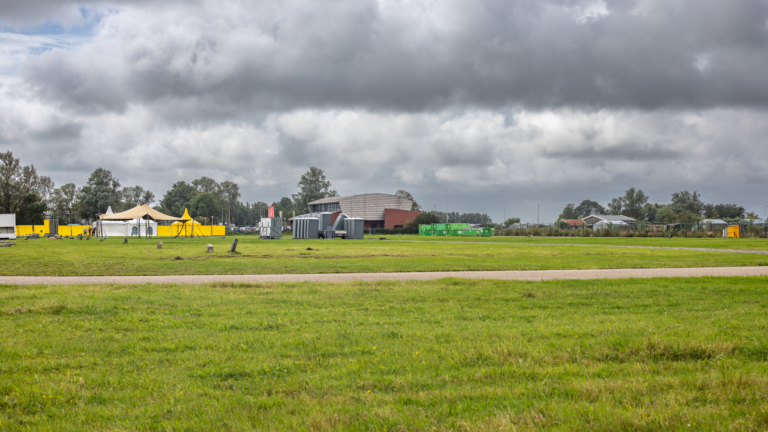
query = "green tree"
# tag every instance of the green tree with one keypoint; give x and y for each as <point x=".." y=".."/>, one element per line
<point x="136" y="196"/>
<point x="651" y="212"/>
<point x="18" y="181"/>
<point x="685" y="201"/>
<point x="423" y="218"/>
<point x="101" y="191"/>
<point x="633" y="203"/>
<point x="724" y="211"/>
<point x="312" y="186"/>
<point x="230" y="192"/>
<point x="31" y="210"/>
<point x="177" y="198"/>
<point x="614" y="207"/>
<point x="285" y="205"/>
<point x="203" y="205"/>
<point x="569" y="212"/>
<point x="587" y="208"/>
<point x="512" y="221"/>
<point x="206" y="185"/>
<point x="407" y="195"/>
<point x="62" y="201"/>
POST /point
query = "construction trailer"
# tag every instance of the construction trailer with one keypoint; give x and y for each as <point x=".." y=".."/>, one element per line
<point x="8" y="226"/>
<point x="271" y="228"/>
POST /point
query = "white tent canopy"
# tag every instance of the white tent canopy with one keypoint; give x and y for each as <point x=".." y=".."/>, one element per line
<point x="138" y="221"/>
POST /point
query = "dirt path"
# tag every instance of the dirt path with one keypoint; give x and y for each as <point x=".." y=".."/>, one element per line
<point x="741" y="251"/>
<point x="530" y="275"/>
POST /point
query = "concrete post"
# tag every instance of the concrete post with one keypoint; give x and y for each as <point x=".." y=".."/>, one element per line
<point x="160" y="245"/>
<point x="210" y="248"/>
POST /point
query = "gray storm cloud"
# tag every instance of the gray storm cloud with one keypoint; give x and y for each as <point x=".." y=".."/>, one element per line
<point x="412" y="56"/>
<point x="498" y="104"/>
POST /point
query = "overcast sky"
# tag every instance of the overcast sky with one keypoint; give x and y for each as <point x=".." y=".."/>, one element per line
<point x="490" y="106"/>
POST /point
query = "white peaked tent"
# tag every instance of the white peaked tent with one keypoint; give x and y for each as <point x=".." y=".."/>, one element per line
<point x="124" y="228"/>
<point x="139" y="221"/>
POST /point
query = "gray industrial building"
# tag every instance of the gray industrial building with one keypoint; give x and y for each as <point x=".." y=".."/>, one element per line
<point x="377" y="210"/>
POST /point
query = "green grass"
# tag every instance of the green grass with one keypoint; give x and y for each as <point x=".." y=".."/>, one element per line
<point x="46" y="257"/>
<point x="638" y="354"/>
<point x="709" y="243"/>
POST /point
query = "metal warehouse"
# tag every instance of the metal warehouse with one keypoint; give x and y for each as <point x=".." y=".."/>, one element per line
<point x="375" y="209"/>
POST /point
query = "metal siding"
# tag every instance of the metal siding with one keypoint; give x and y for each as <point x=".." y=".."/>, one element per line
<point x="371" y="206"/>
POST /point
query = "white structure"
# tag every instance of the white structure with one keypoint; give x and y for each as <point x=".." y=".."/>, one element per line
<point x="710" y="224"/>
<point x="131" y="228"/>
<point x="610" y="224"/>
<point x="8" y="226"/>
<point x="591" y="220"/>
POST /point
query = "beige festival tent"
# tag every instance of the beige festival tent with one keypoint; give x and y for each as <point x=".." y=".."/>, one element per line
<point x="143" y="212"/>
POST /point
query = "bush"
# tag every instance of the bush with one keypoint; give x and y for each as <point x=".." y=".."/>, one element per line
<point x="423" y="218"/>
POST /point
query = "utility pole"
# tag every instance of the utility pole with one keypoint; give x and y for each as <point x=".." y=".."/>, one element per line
<point x="537" y="213"/>
<point x="446" y="212"/>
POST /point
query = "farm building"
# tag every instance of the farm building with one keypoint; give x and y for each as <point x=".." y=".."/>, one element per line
<point x="377" y="210"/>
<point x="574" y="223"/>
<point x="607" y="219"/>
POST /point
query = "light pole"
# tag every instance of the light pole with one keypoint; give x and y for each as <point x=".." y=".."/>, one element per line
<point x="537" y="213"/>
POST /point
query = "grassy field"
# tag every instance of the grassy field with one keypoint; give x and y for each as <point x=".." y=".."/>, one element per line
<point x="661" y="354"/>
<point x="709" y="243"/>
<point x="44" y="257"/>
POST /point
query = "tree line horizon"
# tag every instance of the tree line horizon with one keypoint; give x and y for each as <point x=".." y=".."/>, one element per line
<point x="30" y="195"/>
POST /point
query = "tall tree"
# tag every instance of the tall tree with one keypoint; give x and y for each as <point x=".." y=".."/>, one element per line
<point x="31" y="211"/>
<point x="17" y="181"/>
<point x="724" y="211"/>
<point x="615" y="206"/>
<point x="203" y="205"/>
<point x="686" y="201"/>
<point x="569" y="212"/>
<point x="136" y="195"/>
<point x="407" y="195"/>
<point x="313" y="186"/>
<point x="176" y="200"/>
<point x="206" y="185"/>
<point x="633" y="203"/>
<point x="230" y="191"/>
<point x="101" y="191"/>
<point x="62" y="201"/>
<point x="588" y="207"/>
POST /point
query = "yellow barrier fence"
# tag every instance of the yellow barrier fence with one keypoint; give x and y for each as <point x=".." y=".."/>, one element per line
<point x="162" y="231"/>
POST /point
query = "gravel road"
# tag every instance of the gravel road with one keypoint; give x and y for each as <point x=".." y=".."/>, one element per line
<point x="530" y="275"/>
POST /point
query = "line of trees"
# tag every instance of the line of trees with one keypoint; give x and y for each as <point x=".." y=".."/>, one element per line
<point x="684" y="207"/>
<point x="30" y="195"/>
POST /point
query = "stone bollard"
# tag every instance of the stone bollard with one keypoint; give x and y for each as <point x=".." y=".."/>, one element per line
<point x="125" y="240"/>
<point x="159" y="245"/>
<point x="234" y="246"/>
<point x="210" y="248"/>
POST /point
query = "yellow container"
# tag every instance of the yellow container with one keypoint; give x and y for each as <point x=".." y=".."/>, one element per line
<point x="733" y="231"/>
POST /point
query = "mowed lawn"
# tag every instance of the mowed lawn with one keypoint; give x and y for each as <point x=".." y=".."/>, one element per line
<point x="709" y="243"/>
<point x="637" y="354"/>
<point x="45" y="257"/>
